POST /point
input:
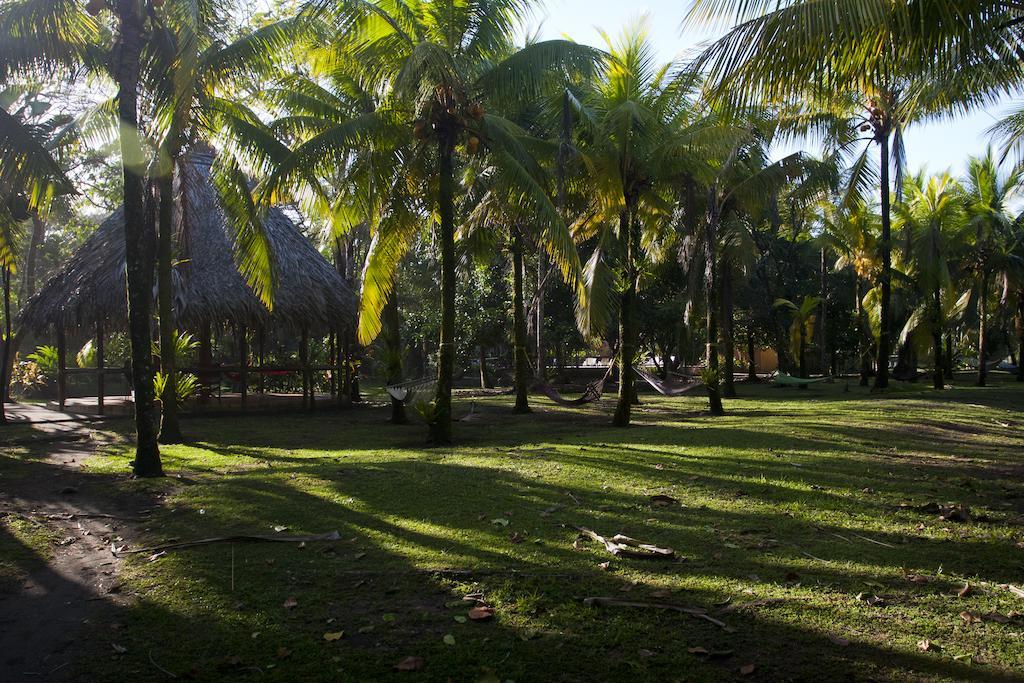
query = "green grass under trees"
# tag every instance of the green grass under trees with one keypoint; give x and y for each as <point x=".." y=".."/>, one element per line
<point x="794" y="496"/>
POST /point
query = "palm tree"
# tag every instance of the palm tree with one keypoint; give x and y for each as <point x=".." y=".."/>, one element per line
<point x="988" y="192"/>
<point x="852" y="232"/>
<point x="451" y="74"/>
<point x="189" y="68"/>
<point x="933" y="221"/>
<point x="632" y="126"/>
<point x="802" y="328"/>
<point x="905" y="60"/>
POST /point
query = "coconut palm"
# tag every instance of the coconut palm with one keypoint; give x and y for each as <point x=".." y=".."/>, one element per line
<point x="852" y="233"/>
<point x="802" y="328"/>
<point x="449" y="74"/>
<point x="988" y="191"/>
<point x="934" y="227"/>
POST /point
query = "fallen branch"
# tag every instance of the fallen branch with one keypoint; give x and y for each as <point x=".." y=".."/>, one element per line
<point x="697" y="612"/>
<point x="94" y="515"/>
<point x="332" y="536"/>
<point x="871" y="540"/>
<point x="160" y="668"/>
<point x="624" y="546"/>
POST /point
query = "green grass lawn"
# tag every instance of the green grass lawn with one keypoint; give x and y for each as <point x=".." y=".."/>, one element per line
<point x="793" y="498"/>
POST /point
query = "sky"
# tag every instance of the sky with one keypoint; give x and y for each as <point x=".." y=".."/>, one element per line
<point x="935" y="146"/>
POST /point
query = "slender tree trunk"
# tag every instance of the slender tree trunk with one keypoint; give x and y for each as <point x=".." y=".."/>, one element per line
<point x="28" y="288"/>
<point x="485" y="382"/>
<point x="392" y="339"/>
<point x="803" y="352"/>
<point x="751" y="358"/>
<point x="441" y="425"/>
<point x="885" y="331"/>
<point x="982" y="330"/>
<point x="170" y="428"/>
<point x="138" y="233"/>
<point x="1020" y="334"/>
<point x="711" y="302"/>
<point x="823" y="314"/>
<point x="938" y="381"/>
<point x="8" y="342"/>
<point x="864" y="335"/>
<point x="949" y="356"/>
<point x="522" y="360"/>
<point x="541" y="351"/>
<point x="728" y="337"/>
<point x="623" y="407"/>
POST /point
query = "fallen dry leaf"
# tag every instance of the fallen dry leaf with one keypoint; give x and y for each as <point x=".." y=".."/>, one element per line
<point x="970" y="617"/>
<point x="409" y="664"/>
<point x="747" y="669"/>
<point x="481" y="613"/>
<point x="662" y="501"/>
<point x="927" y="646"/>
<point x="332" y="636"/>
<point x="697" y="651"/>
<point x="290" y="603"/>
<point x="839" y="640"/>
<point x="965" y="591"/>
<point x="283" y="653"/>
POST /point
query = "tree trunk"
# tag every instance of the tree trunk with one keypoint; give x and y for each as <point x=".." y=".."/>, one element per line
<point x="711" y="303"/>
<point x="485" y="382"/>
<point x="803" y="352"/>
<point x="884" y="334"/>
<point x="949" y="356"/>
<point x="541" y="351"/>
<point x="8" y="341"/>
<point x="728" y="337"/>
<point x="38" y="235"/>
<point x="1020" y="334"/>
<point x="392" y="339"/>
<point x="441" y="424"/>
<point x="139" y="247"/>
<point x="170" y="428"/>
<point x="823" y="314"/>
<point x="938" y="381"/>
<point x="982" y="330"/>
<point x="751" y="358"/>
<point x="626" y="332"/>
<point x="522" y="360"/>
<point x="864" y="335"/>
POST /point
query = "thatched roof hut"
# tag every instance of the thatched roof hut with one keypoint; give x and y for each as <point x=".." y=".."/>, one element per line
<point x="309" y="292"/>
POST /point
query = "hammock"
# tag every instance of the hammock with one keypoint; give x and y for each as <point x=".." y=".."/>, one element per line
<point x="590" y="394"/>
<point x="667" y="387"/>
<point x="784" y="380"/>
<point x="406" y="391"/>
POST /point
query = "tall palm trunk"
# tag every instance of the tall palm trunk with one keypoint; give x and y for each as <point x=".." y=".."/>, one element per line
<point x="28" y="288"/>
<point x="392" y="338"/>
<point x="522" y="360"/>
<point x="864" y="328"/>
<point x="711" y="303"/>
<point x="823" y="314"/>
<point x="949" y="356"/>
<point x="1020" y="334"/>
<point x="8" y="341"/>
<point x="884" y="333"/>
<point x="751" y="357"/>
<point x="138" y="233"/>
<point x="170" y="428"/>
<point x="728" y="338"/>
<point x="441" y="425"/>
<point x="626" y="332"/>
<point x="938" y="380"/>
<point x="982" y="330"/>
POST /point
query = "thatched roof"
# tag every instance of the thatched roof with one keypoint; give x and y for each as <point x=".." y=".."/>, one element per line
<point x="208" y="288"/>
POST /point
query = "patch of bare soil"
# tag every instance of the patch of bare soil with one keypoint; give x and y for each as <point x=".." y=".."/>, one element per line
<point x="44" y="622"/>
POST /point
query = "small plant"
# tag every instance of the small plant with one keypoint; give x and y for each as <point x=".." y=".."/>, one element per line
<point x="427" y="410"/>
<point x="186" y="386"/>
<point x="710" y="378"/>
<point x="86" y="356"/>
<point x="184" y="345"/>
<point x="27" y="375"/>
<point x="47" y="358"/>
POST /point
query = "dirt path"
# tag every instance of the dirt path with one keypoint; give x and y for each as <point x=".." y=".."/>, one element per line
<point x="70" y="604"/>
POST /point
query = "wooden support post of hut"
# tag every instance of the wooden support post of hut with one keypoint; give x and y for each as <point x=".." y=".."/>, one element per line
<point x="261" y="342"/>
<point x="62" y="374"/>
<point x="330" y="362"/>
<point x="243" y="363"/>
<point x="101" y="367"/>
<point x="205" y="362"/>
<point x="307" y="384"/>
